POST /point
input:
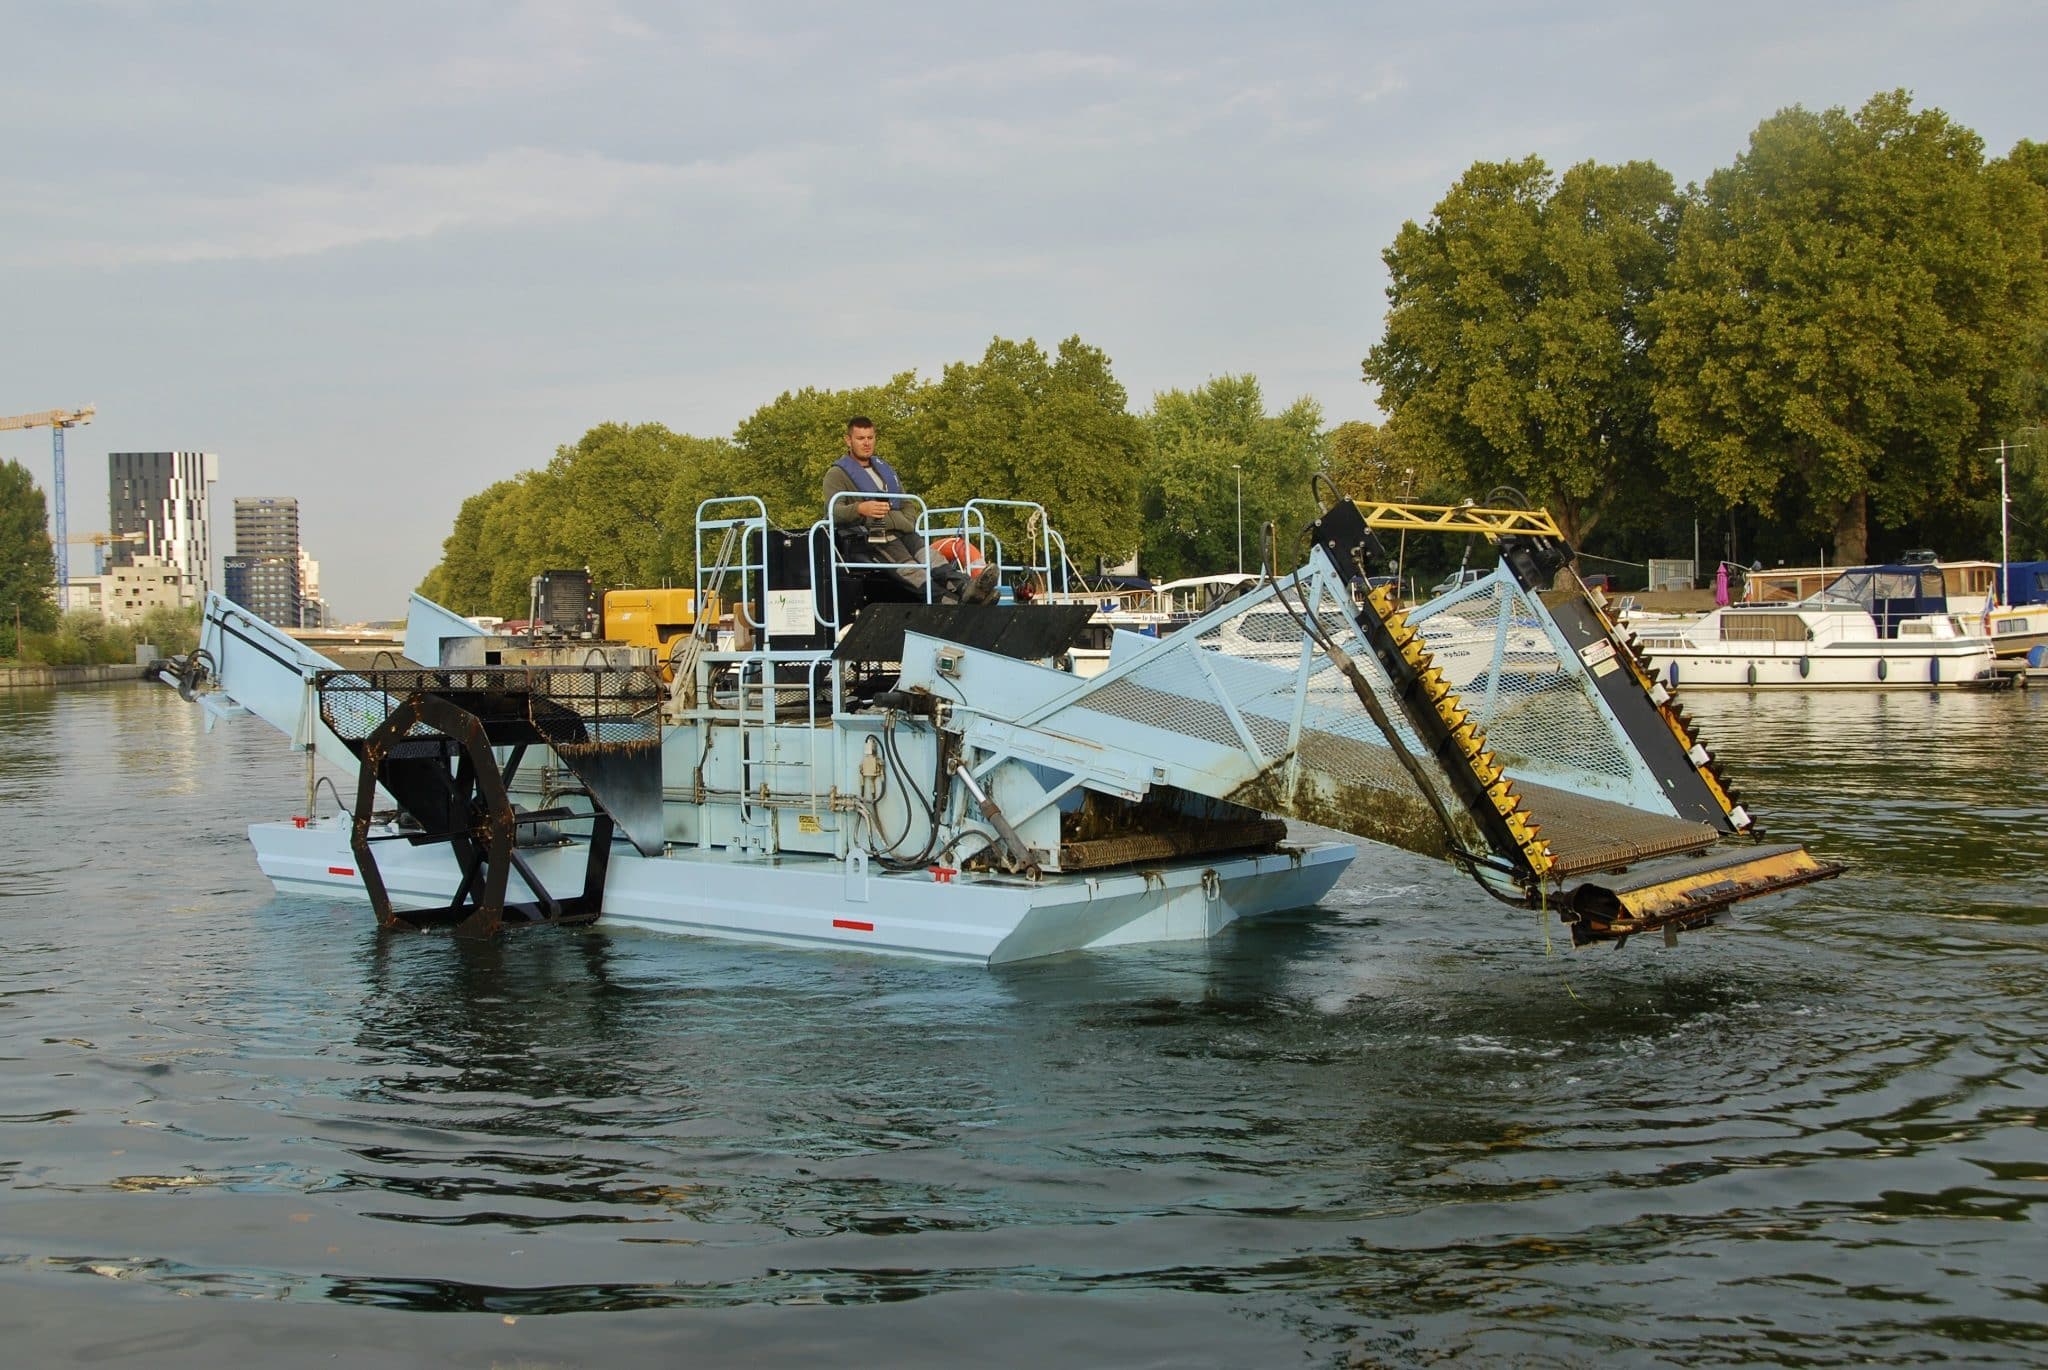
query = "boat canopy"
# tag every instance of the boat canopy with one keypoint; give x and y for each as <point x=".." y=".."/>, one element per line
<point x="2027" y="582"/>
<point x="1888" y="593"/>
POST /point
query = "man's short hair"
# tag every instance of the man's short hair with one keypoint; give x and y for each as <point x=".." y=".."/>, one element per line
<point x="859" y="421"/>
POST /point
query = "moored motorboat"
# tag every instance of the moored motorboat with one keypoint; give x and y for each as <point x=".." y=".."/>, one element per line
<point x="1811" y="644"/>
<point x="2007" y="605"/>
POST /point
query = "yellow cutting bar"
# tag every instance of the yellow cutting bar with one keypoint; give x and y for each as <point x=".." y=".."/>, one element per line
<point x="1689" y="892"/>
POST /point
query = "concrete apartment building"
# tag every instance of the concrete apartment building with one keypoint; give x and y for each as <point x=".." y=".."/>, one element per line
<point x="124" y="593"/>
<point x="159" y="500"/>
<point x="263" y="575"/>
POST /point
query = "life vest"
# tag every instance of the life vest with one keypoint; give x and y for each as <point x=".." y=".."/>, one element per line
<point x="861" y="482"/>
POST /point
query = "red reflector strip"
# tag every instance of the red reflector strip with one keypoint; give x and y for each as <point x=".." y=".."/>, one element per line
<point x="852" y="926"/>
<point x="339" y="870"/>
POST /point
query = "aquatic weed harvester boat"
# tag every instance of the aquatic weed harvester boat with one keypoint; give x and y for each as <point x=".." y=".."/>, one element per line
<point x="924" y="779"/>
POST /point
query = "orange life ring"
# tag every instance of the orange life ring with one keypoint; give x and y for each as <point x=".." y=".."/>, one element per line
<point x="959" y="551"/>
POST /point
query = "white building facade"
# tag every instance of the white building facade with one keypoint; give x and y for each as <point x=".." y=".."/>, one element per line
<point x="123" y="594"/>
<point x="161" y="501"/>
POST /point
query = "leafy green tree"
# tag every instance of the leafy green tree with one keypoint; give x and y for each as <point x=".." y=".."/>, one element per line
<point x="605" y="503"/>
<point x="608" y="496"/>
<point x="1515" y="341"/>
<point x="85" y="638"/>
<point x="2022" y="177"/>
<point x="779" y="452"/>
<point x="82" y="638"/>
<point x="2026" y="518"/>
<point x="28" y="570"/>
<point x="462" y="579"/>
<point x="519" y="527"/>
<point x="173" y="631"/>
<point x="623" y="499"/>
<point x="1211" y="448"/>
<point x="503" y="537"/>
<point x="1375" y="462"/>
<point x="1021" y="425"/>
<point x="1854" y="306"/>
<point x="1362" y="463"/>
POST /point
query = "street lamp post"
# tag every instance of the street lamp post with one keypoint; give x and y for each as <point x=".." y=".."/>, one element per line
<point x="1238" y="467"/>
<point x="2004" y="529"/>
<point x="2004" y="536"/>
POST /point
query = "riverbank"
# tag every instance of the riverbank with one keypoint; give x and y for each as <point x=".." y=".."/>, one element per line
<point x="48" y="677"/>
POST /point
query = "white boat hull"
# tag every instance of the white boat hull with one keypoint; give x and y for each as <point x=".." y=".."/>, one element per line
<point x="847" y="905"/>
<point x="1849" y="668"/>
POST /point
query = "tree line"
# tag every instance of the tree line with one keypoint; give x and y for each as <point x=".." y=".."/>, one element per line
<point x="1802" y="356"/>
<point x="1813" y="346"/>
<point x="1019" y="423"/>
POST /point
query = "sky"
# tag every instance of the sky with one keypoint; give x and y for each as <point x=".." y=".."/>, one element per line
<point x="378" y="256"/>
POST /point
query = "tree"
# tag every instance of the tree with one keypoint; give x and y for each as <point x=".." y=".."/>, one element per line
<point x="462" y="579"/>
<point x="1021" y="425"/>
<point x="607" y="503"/>
<point x="780" y="451"/>
<point x="1517" y="329"/>
<point x="609" y="500"/>
<point x="1361" y="462"/>
<point x="2021" y="178"/>
<point x="1207" y="445"/>
<point x="1854" y="306"/>
<point x="28" y="570"/>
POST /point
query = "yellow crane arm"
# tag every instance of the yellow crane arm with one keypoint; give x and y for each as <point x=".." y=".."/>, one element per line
<point x="1456" y="518"/>
<point x="49" y="418"/>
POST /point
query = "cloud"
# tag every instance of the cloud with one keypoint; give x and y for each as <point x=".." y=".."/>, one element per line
<point x="399" y="202"/>
<point x="1385" y="82"/>
<point x="540" y="44"/>
<point x="1015" y="69"/>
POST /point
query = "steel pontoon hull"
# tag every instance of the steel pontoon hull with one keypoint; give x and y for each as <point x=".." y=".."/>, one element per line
<point x="819" y="902"/>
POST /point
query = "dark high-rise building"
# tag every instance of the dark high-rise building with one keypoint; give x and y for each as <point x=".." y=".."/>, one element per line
<point x="263" y="574"/>
<point x="157" y="506"/>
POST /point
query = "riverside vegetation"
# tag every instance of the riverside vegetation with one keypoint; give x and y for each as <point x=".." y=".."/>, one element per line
<point x="1804" y="353"/>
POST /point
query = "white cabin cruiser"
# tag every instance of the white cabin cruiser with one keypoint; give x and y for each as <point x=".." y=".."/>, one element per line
<point x="1817" y="643"/>
<point x="920" y="779"/>
<point x="2006" y="603"/>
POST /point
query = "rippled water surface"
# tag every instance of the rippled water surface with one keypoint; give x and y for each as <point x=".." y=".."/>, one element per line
<point x="1401" y="1128"/>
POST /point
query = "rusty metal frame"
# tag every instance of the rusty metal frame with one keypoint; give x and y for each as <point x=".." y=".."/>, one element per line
<point x="450" y="775"/>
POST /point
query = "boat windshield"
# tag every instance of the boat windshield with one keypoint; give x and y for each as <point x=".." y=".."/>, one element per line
<point x="1865" y="585"/>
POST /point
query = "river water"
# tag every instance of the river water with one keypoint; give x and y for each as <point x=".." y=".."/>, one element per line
<point x="1402" y="1128"/>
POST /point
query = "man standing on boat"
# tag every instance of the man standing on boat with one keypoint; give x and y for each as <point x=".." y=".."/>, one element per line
<point x="878" y="529"/>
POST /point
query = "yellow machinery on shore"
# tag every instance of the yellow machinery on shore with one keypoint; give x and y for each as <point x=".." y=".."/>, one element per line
<point x="654" y="619"/>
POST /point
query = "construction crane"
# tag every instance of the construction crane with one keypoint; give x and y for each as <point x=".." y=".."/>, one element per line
<point x="100" y="542"/>
<point x="56" y="420"/>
